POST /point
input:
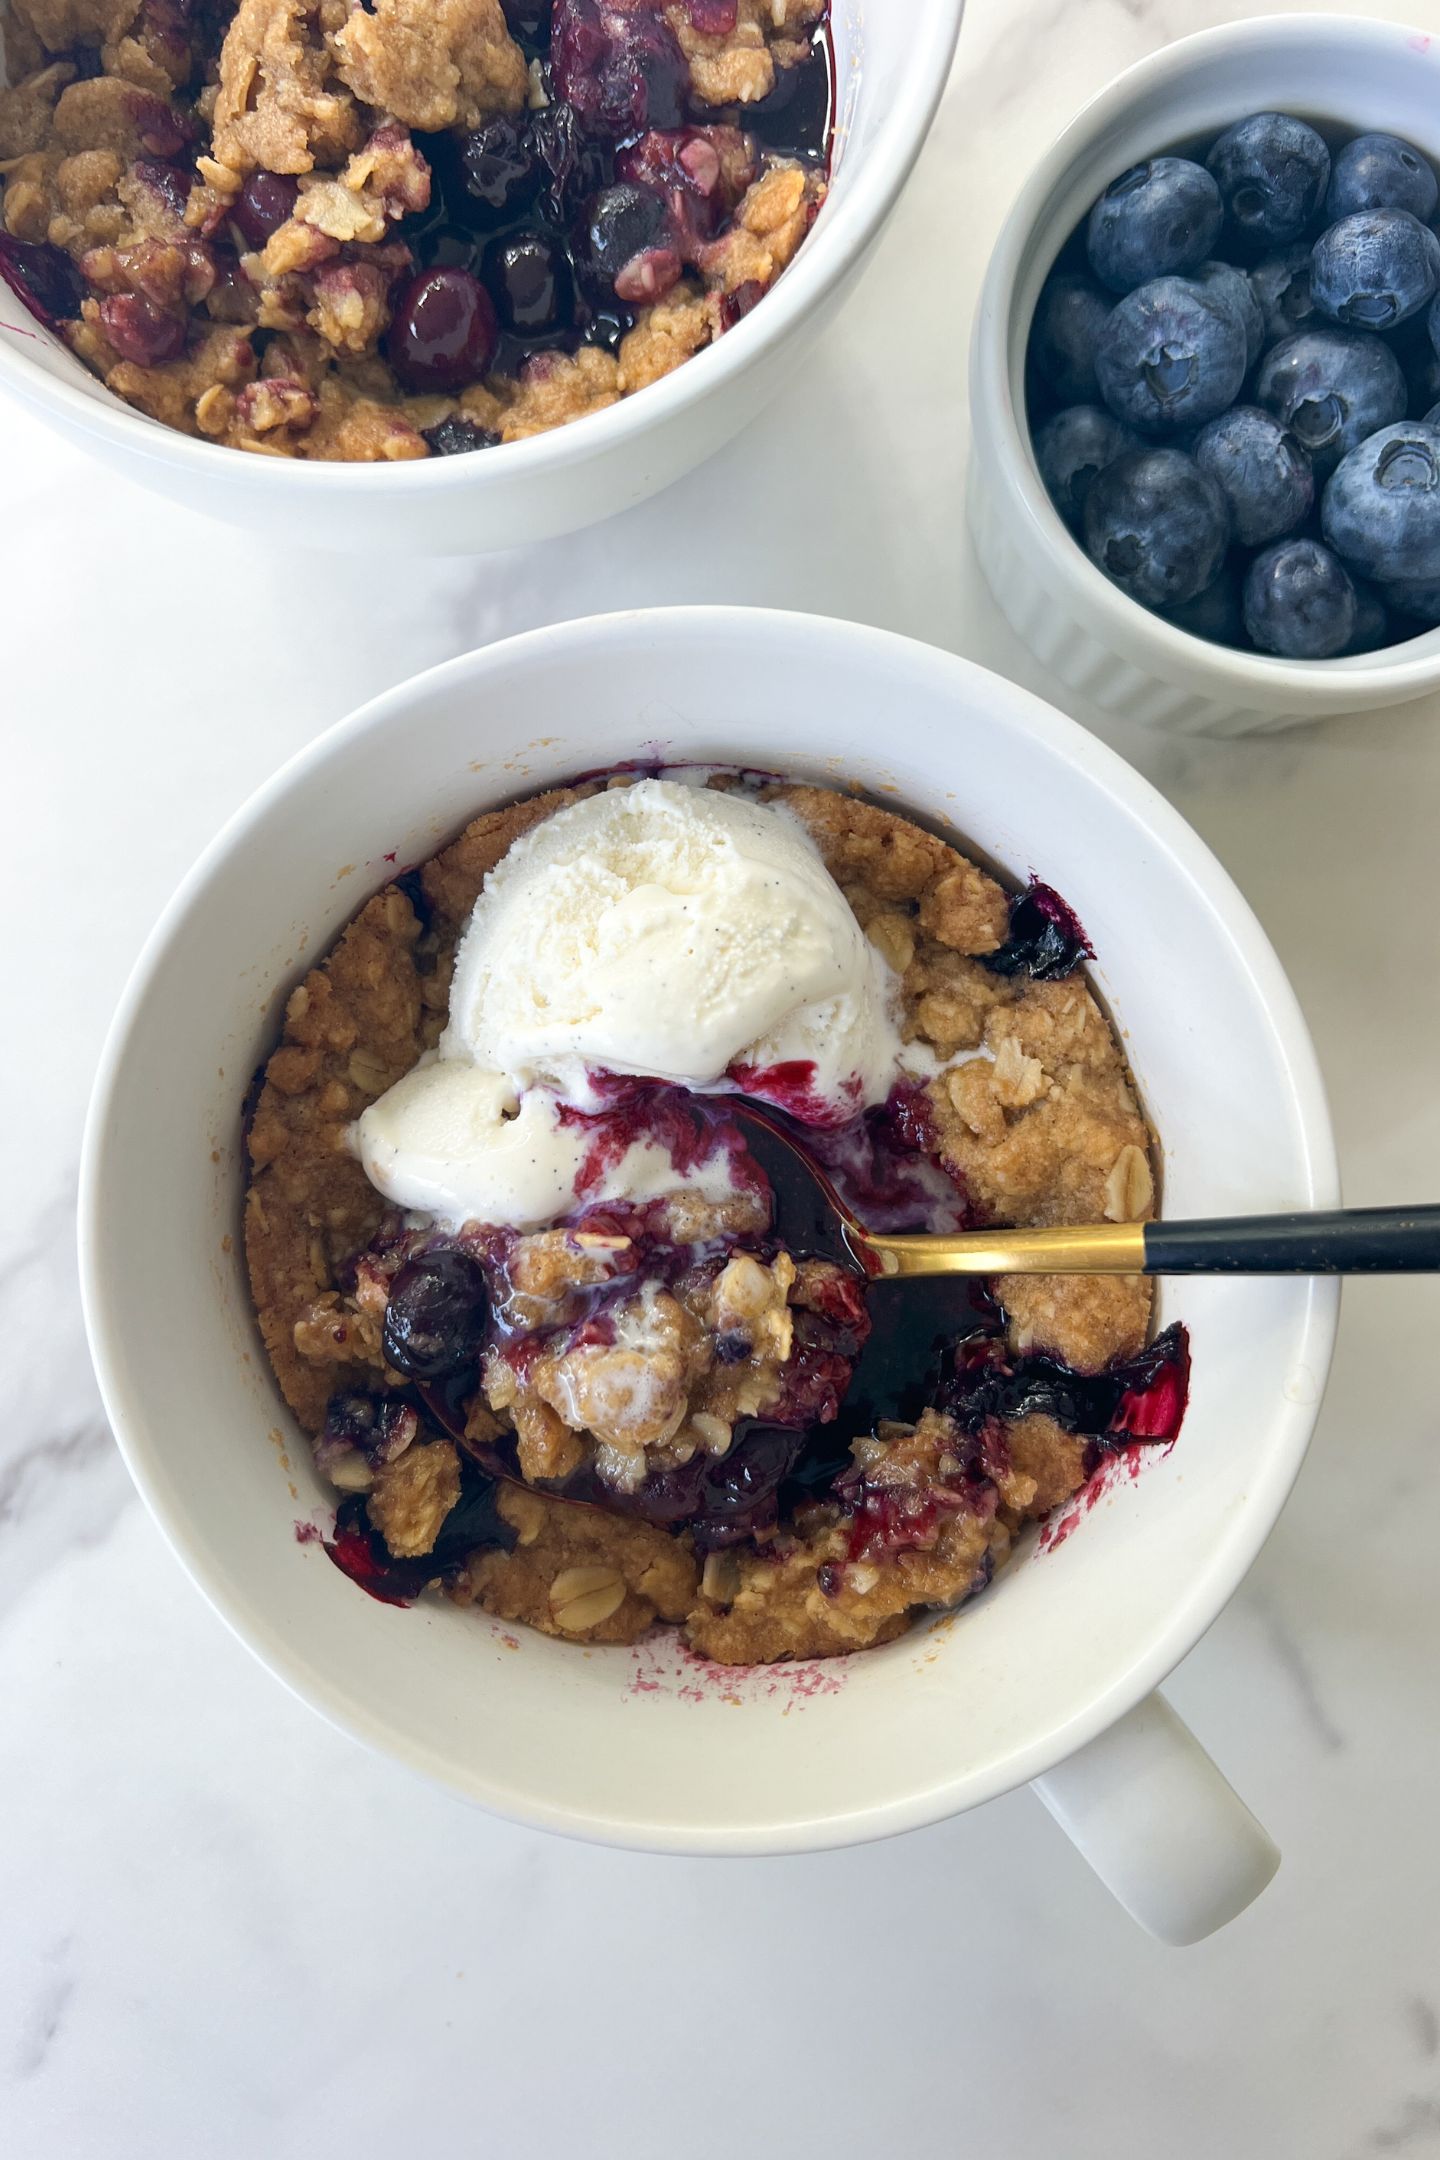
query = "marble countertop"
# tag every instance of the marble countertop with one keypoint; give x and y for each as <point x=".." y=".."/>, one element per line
<point x="225" y="1930"/>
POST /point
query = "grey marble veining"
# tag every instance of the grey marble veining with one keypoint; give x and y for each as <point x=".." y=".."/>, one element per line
<point x="226" y="1931"/>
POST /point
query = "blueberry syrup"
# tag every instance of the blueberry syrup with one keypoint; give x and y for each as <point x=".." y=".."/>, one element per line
<point x="43" y="279"/>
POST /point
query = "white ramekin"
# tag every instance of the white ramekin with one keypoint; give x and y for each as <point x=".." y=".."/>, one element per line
<point x="1344" y="69"/>
<point x="892" y="65"/>
<point x="1049" y="1675"/>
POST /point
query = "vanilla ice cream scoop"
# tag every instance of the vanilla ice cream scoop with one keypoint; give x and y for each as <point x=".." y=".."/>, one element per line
<point x="673" y="932"/>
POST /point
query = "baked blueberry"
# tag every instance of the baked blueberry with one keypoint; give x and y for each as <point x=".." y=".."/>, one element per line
<point x="1261" y="471"/>
<point x="1072" y="449"/>
<point x="625" y="224"/>
<point x="1331" y="388"/>
<point x="455" y="435"/>
<point x="1381" y="510"/>
<point x="500" y="172"/>
<point x="435" y="1316"/>
<point x="528" y="276"/>
<point x="1299" y="601"/>
<point x="1272" y="171"/>
<point x="1281" y="284"/>
<point x="1157" y="526"/>
<point x="263" y="204"/>
<point x="1157" y="220"/>
<point x="1375" y="269"/>
<point x="1069" y="318"/>
<point x="1380" y="172"/>
<point x="1233" y="289"/>
<point x="1170" y="356"/>
<point x="443" y="331"/>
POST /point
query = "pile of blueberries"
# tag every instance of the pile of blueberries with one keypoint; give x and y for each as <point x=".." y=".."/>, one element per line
<point x="1234" y="387"/>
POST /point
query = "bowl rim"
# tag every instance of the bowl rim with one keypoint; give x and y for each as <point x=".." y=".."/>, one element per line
<point x="1130" y="628"/>
<point x="821" y="265"/>
<point x="1289" y="1427"/>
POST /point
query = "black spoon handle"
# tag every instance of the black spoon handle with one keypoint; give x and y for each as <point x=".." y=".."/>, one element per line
<point x="1334" y="1241"/>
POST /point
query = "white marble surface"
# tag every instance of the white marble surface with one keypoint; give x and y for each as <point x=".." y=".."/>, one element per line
<point x="224" y="1930"/>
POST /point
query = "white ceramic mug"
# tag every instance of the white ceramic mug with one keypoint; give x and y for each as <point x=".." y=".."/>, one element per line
<point x="1048" y="1676"/>
<point x="892" y="63"/>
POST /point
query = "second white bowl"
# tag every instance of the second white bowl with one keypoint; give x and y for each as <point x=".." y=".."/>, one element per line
<point x="892" y="66"/>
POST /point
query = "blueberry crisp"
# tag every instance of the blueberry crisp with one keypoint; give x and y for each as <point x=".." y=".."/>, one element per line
<point x="539" y="1274"/>
<point x="1233" y="381"/>
<point x="378" y="229"/>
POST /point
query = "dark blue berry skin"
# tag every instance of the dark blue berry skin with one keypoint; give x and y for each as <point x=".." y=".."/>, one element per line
<point x="1072" y="449"/>
<point x="1381" y="510"/>
<point x="1157" y="220"/>
<point x="1069" y="318"/>
<point x="1233" y="289"/>
<point x="1373" y="627"/>
<point x="1331" y="388"/>
<point x="1157" y="526"/>
<point x="1380" y="172"/>
<point x="1272" y="172"/>
<point x="1432" y="324"/>
<point x="1281" y="284"/>
<point x="1375" y="270"/>
<point x="1170" y="357"/>
<point x="455" y="435"/>
<point x="1216" y="613"/>
<point x="1261" y="471"/>
<point x="1299" y="601"/>
<point x="1416" y="598"/>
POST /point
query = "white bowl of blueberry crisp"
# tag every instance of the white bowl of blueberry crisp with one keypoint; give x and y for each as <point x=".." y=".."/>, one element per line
<point x="465" y="1322"/>
<point x="531" y="259"/>
<point x="1205" y="483"/>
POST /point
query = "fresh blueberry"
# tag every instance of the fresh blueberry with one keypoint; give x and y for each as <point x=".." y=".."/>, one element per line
<point x="1375" y="269"/>
<point x="1381" y="510"/>
<point x="1417" y="598"/>
<point x="1157" y="526"/>
<point x="1281" y="284"/>
<point x="1299" y="601"/>
<point x="1233" y="289"/>
<point x="1380" y="172"/>
<point x="1261" y="471"/>
<point x="1157" y="220"/>
<point x="1422" y="372"/>
<point x="1072" y="448"/>
<point x="1432" y="324"/>
<point x="1331" y="388"/>
<point x="530" y="282"/>
<point x="1170" y="356"/>
<point x="1070" y="316"/>
<point x="1272" y="171"/>
<point x="1215" y="613"/>
<point x="1373" y="627"/>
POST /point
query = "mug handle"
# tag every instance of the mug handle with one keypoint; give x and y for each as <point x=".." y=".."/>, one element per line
<point x="1164" y="1831"/>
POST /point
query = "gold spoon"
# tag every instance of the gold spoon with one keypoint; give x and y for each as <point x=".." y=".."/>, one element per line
<point x="1331" y="1241"/>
